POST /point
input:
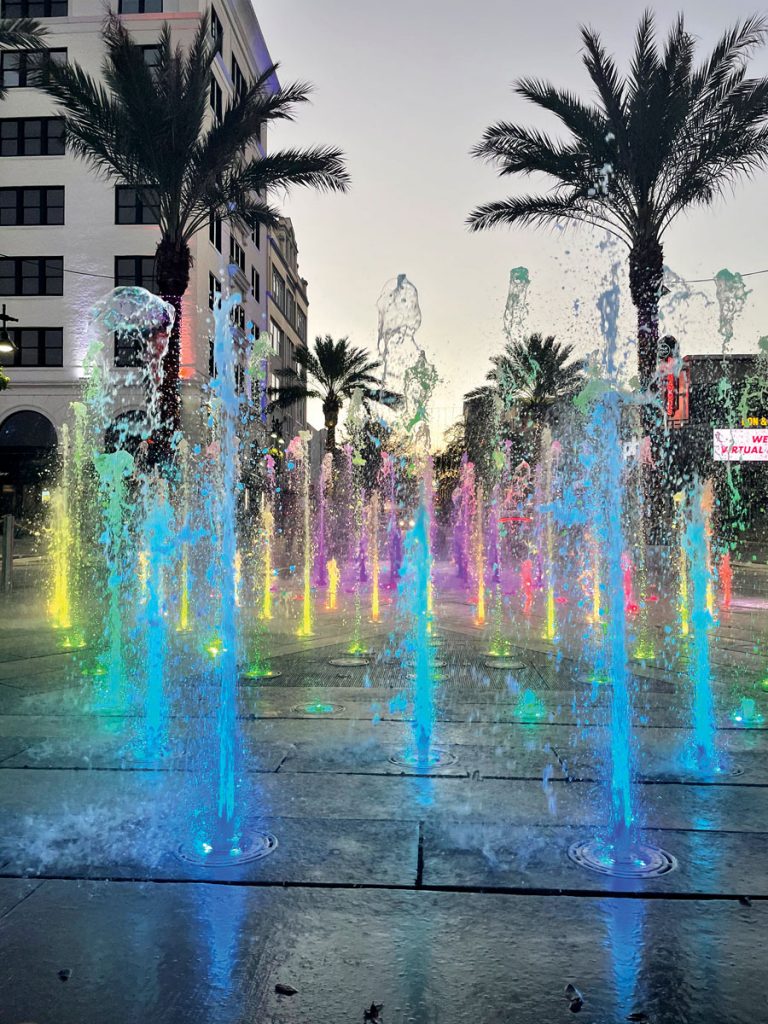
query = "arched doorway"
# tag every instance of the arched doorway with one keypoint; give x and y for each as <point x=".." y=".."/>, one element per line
<point x="28" y="445"/>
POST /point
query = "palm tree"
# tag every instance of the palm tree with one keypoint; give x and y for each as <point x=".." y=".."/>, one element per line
<point x="19" y="34"/>
<point x="664" y="138"/>
<point x="532" y="374"/>
<point x="336" y="369"/>
<point x="149" y="128"/>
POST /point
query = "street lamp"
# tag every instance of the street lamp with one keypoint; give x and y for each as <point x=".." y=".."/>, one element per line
<point x="7" y="344"/>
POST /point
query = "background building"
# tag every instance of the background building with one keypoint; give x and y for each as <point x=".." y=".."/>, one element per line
<point x="68" y="236"/>
<point x="287" y="313"/>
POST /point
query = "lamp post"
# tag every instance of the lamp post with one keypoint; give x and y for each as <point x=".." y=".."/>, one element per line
<point x="7" y="344"/>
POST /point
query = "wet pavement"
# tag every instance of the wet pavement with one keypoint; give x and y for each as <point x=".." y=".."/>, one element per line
<point x="442" y="896"/>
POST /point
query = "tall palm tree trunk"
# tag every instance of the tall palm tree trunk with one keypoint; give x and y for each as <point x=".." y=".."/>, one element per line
<point x="646" y="273"/>
<point x="172" y="268"/>
<point x="331" y="417"/>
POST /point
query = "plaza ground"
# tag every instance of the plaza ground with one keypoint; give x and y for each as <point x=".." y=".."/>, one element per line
<point x="445" y="896"/>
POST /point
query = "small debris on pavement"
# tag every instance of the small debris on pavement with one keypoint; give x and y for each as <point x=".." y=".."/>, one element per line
<point x="639" y="1017"/>
<point x="574" y="997"/>
<point x="285" y="990"/>
<point x="373" y="1012"/>
<point x="745" y="901"/>
<point x="65" y="974"/>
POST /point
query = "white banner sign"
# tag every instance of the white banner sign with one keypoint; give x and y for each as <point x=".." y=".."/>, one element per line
<point x="741" y="445"/>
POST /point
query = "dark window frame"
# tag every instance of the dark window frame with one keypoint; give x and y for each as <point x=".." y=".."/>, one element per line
<point x="214" y="231"/>
<point x="139" y="278"/>
<point x="46" y="274"/>
<point x="140" y="207"/>
<point x="236" y="254"/>
<point x="239" y="79"/>
<point x="35" y="9"/>
<point x="45" y="206"/>
<point x="22" y="138"/>
<point x="27" y="67"/>
<point x="141" y="7"/>
<point x="255" y="284"/>
<point x="216" y="99"/>
<point x="216" y="30"/>
<point x="42" y="348"/>
<point x="145" y="50"/>
<point x="214" y="289"/>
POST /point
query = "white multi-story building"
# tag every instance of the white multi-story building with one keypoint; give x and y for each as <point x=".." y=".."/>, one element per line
<point x="288" y="306"/>
<point x="67" y="236"/>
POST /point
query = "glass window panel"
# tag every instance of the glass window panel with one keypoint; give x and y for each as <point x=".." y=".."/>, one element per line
<point x="55" y="206"/>
<point x="32" y="137"/>
<point x="10" y="63"/>
<point x="7" y="277"/>
<point x="55" y="130"/>
<point x="54" y="276"/>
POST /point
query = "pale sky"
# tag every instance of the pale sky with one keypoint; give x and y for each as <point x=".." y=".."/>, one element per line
<point x="406" y="88"/>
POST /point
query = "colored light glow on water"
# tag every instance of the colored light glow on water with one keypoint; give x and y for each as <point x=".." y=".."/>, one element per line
<point x="318" y="708"/>
<point x="59" y="608"/>
<point x="530" y="706"/>
<point x="747" y="713"/>
<point x="334" y="575"/>
<point x="267" y="529"/>
<point x="260" y="672"/>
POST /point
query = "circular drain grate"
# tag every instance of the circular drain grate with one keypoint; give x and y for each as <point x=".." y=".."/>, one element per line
<point x="258" y="845"/>
<point x="503" y="664"/>
<point x="437" y="759"/>
<point x="642" y="861"/>
<point x="317" y="708"/>
<point x="348" y="662"/>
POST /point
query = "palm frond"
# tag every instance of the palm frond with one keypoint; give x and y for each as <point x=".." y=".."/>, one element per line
<point x="21" y="34"/>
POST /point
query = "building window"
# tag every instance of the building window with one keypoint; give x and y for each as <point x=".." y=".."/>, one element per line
<point x="136" y="205"/>
<point x="290" y="307"/>
<point x="216" y="100"/>
<point x="32" y="275"/>
<point x="239" y="81"/>
<point x="31" y="206"/>
<point x="256" y="235"/>
<point x="129" y="348"/>
<point x="255" y="285"/>
<point x="35" y="9"/>
<point x="135" y="271"/>
<point x="31" y="136"/>
<point x="278" y="290"/>
<point x="151" y="56"/>
<point x="301" y="325"/>
<point x="19" y="68"/>
<point x="217" y="32"/>
<point x="214" y="231"/>
<point x="214" y="290"/>
<point x="236" y="254"/>
<point x="36" y="346"/>
<point x="276" y="335"/>
<point x="238" y="317"/>
<point x="140" y="7"/>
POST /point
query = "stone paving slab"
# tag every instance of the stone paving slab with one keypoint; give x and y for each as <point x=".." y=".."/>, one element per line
<point x="338" y="852"/>
<point x="14" y="891"/>
<point x="117" y="753"/>
<point x="499" y="857"/>
<point x="196" y="954"/>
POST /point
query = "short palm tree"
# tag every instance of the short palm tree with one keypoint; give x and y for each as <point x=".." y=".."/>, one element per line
<point x="532" y="375"/>
<point x="20" y="34"/>
<point x="332" y="371"/>
<point x="667" y="137"/>
<point x="150" y="128"/>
